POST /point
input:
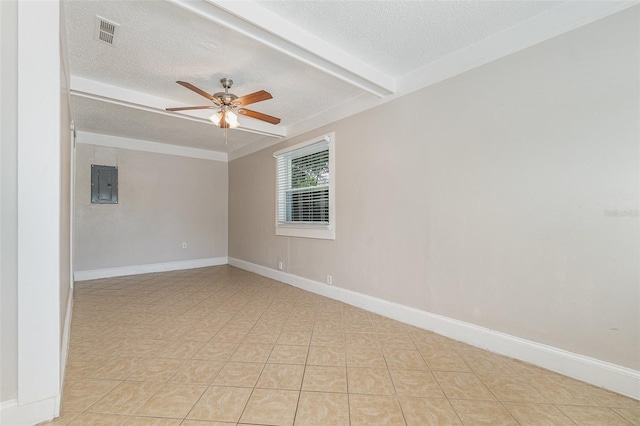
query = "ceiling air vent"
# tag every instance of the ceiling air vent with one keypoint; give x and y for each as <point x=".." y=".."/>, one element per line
<point x="106" y="30"/>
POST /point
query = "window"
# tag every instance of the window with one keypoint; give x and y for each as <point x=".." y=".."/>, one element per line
<point x="305" y="189"/>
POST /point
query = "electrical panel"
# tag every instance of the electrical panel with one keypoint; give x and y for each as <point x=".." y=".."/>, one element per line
<point x="104" y="184"/>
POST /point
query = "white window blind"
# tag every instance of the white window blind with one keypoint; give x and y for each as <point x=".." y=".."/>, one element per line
<point x="304" y="189"/>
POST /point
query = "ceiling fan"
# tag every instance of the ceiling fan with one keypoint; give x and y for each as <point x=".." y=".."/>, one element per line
<point x="229" y="105"/>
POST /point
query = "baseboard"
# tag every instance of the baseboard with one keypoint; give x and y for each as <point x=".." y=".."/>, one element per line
<point x="12" y="414"/>
<point x="619" y="379"/>
<point x="145" y="269"/>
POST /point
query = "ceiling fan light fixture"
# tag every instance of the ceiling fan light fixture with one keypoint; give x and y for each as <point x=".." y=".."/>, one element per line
<point x="232" y="119"/>
<point x="215" y="118"/>
<point x="229" y="117"/>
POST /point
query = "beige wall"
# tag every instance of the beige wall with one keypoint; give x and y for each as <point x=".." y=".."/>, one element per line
<point x="486" y="198"/>
<point x="164" y="200"/>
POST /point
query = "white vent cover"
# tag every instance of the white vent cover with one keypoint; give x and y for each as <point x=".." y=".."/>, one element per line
<point x="105" y="30"/>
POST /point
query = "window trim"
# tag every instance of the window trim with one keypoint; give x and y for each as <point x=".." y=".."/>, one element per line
<point x="326" y="232"/>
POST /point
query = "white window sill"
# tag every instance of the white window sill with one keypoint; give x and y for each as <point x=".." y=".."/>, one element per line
<point x="319" y="232"/>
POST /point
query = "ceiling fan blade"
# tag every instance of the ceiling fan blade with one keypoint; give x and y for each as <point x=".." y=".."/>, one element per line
<point x="198" y="91"/>
<point x="252" y="98"/>
<point x="193" y="107"/>
<point x="259" y="115"/>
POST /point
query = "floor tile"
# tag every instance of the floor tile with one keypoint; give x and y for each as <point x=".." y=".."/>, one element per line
<point x="224" y="404"/>
<point x="396" y="341"/>
<point x="288" y="354"/>
<point x="180" y="349"/>
<point x="242" y="374"/>
<point x="93" y="419"/>
<point x="222" y="346"/>
<point x="172" y="400"/>
<point x="156" y="370"/>
<point x="372" y="381"/>
<point x="325" y="379"/>
<point x="425" y="411"/>
<point x="327" y="337"/>
<point x="294" y="337"/>
<point x="367" y="410"/>
<point x="229" y="335"/>
<point x="512" y="388"/>
<point x="197" y="372"/>
<point x="483" y="413"/>
<point x="326" y="355"/>
<point x="630" y="414"/>
<point x="117" y="368"/>
<point x="152" y="421"/>
<point x="271" y="407"/>
<point x="606" y="398"/>
<point x="216" y="351"/>
<point x="592" y="416"/>
<point x="126" y="398"/>
<point x="482" y="362"/>
<point x="402" y="358"/>
<point x="78" y="396"/>
<point x="443" y="360"/>
<point x="462" y="386"/>
<point x="281" y="376"/>
<point x="252" y="352"/>
<point x="537" y="414"/>
<point x="79" y="368"/>
<point x="365" y="357"/>
<point x="361" y="340"/>
<point x="318" y="408"/>
<point x="418" y="383"/>
<point x="262" y="337"/>
<point x="559" y="390"/>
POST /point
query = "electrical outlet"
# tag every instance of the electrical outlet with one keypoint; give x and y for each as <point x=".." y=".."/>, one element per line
<point x="280" y="265"/>
<point x="184" y="245"/>
<point x="329" y="279"/>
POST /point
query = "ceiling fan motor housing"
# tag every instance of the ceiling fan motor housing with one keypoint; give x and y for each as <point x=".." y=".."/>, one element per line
<point x="225" y="97"/>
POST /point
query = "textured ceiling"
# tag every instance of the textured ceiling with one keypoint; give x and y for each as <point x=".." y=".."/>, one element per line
<point x="321" y="60"/>
<point x="398" y="37"/>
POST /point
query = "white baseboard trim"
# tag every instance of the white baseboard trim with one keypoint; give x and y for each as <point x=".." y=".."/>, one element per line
<point x="122" y="271"/>
<point x="12" y="414"/>
<point x="4" y="405"/>
<point x="619" y="379"/>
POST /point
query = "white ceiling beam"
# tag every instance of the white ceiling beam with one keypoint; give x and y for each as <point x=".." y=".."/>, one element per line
<point x="143" y="101"/>
<point x="261" y="24"/>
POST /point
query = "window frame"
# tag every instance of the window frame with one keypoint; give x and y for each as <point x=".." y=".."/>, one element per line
<point x="307" y="230"/>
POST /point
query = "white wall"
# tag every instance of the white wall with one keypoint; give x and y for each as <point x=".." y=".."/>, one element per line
<point x="8" y="200"/>
<point x="489" y="198"/>
<point x="35" y="197"/>
<point x="163" y="201"/>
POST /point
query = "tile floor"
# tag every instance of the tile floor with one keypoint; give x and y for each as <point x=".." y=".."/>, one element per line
<point x="222" y="346"/>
